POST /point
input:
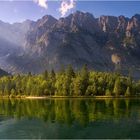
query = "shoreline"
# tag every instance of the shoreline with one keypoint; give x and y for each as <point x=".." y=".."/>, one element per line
<point x="70" y="97"/>
<point x="81" y="97"/>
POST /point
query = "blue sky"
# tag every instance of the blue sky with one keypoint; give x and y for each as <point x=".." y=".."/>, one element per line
<point x="18" y="11"/>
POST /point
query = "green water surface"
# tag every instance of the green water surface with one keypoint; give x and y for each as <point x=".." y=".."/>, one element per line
<point x="69" y="118"/>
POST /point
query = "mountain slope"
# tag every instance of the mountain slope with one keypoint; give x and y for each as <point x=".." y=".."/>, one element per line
<point x="80" y="38"/>
<point x="3" y="73"/>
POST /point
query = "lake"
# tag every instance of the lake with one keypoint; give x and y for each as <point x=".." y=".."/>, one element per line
<point x="69" y="118"/>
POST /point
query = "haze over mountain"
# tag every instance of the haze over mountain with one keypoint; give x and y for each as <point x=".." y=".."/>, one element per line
<point x="77" y="39"/>
<point x="3" y="73"/>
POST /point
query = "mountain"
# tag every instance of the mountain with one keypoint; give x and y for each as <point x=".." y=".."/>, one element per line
<point x="2" y="73"/>
<point x="77" y="39"/>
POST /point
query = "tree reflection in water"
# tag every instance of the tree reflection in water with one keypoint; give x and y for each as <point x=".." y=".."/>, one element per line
<point x="69" y="111"/>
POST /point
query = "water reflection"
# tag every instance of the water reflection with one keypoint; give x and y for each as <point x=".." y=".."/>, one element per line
<point x="69" y="111"/>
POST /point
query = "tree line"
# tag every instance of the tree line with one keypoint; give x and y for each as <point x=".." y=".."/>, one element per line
<point x="68" y="82"/>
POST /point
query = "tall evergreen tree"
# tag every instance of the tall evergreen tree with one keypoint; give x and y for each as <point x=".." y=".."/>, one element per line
<point x="70" y="72"/>
<point x="128" y="92"/>
<point x="45" y="75"/>
<point x="117" y="87"/>
<point x="84" y="79"/>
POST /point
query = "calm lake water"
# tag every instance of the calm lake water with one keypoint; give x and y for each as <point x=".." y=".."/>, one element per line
<point x="70" y="118"/>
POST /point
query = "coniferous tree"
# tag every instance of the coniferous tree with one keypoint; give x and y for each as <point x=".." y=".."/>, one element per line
<point x="77" y="86"/>
<point x="45" y="75"/>
<point x="84" y="79"/>
<point x="70" y="72"/>
<point x="108" y="92"/>
<point x="72" y="83"/>
<point x="117" y="87"/>
<point x="52" y="82"/>
<point x="128" y="92"/>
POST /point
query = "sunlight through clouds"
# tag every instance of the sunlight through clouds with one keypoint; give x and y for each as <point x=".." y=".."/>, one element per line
<point x="42" y="3"/>
<point x="66" y="5"/>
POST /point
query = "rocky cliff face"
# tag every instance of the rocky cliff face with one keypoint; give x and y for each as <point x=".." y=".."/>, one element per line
<point x="80" y="38"/>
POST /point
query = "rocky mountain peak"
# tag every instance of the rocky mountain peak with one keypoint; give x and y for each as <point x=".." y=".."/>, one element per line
<point x="133" y="25"/>
<point x="76" y="39"/>
<point x="47" y="21"/>
<point x="108" y="23"/>
<point x="122" y="23"/>
<point x="39" y="28"/>
<point x="137" y="16"/>
<point x="76" y="21"/>
<point x="79" y="15"/>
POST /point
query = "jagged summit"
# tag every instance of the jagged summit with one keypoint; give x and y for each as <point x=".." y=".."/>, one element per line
<point x="76" y="39"/>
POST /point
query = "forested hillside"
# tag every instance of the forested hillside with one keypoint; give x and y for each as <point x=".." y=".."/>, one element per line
<point x="68" y="82"/>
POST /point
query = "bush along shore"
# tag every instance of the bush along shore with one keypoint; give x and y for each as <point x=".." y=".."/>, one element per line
<point x="69" y="83"/>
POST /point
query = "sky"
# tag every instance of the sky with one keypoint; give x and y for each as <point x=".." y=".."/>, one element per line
<point x="19" y="10"/>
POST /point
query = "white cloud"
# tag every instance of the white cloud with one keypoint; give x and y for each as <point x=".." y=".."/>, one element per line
<point x="66" y="5"/>
<point x="42" y="3"/>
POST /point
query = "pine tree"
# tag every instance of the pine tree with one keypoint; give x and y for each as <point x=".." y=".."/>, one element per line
<point x="108" y="92"/>
<point x="62" y="70"/>
<point x="45" y="75"/>
<point x="128" y="92"/>
<point x="84" y="76"/>
<point x="117" y="87"/>
<point x="52" y="74"/>
<point x="77" y="86"/>
<point x="70" y="72"/>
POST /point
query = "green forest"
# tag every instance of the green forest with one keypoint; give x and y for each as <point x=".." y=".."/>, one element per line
<point x="68" y="82"/>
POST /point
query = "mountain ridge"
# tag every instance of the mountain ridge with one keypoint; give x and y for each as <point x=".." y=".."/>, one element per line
<point x="3" y="73"/>
<point x="77" y="39"/>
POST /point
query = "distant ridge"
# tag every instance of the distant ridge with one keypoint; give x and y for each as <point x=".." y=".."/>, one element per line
<point x="77" y="39"/>
<point x="3" y="73"/>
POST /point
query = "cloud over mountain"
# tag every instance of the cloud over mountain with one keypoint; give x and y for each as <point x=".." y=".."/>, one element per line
<point x="66" y="5"/>
<point x="42" y="3"/>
